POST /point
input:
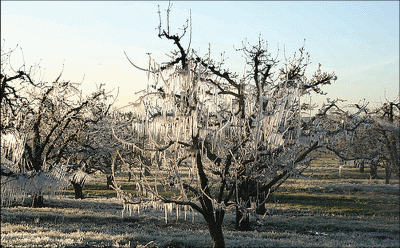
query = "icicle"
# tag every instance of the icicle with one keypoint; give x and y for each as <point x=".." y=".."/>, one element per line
<point x="138" y="189"/>
<point x="166" y="213"/>
<point x="185" y="209"/>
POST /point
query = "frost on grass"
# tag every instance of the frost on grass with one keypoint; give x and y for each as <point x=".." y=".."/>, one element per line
<point x="98" y="222"/>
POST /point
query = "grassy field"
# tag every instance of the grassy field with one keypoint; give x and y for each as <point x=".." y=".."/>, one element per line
<point x="328" y="209"/>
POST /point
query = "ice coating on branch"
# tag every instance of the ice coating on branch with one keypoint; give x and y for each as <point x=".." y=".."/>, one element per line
<point x="12" y="145"/>
<point x="20" y="185"/>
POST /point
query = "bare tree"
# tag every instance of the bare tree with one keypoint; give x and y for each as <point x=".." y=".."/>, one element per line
<point x="376" y="143"/>
<point x="98" y="147"/>
<point x="220" y="141"/>
<point x="50" y="116"/>
<point x="387" y="126"/>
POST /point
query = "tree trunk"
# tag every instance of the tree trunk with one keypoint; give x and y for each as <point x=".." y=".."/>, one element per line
<point x="109" y="181"/>
<point x="362" y="167"/>
<point x="373" y="171"/>
<point x="78" y="191"/>
<point x="261" y="209"/>
<point x="37" y="201"/>
<point x="387" y="175"/>
<point x="242" y="221"/>
<point x="214" y="224"/>
<point x="215" y="231"/>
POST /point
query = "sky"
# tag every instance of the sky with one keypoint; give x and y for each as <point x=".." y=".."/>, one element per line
<point x="358" y="40"/>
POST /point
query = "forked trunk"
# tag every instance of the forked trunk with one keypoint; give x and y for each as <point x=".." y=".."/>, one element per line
<point x="242" y="221"/>
<point x="37" y="201"/>
<point x="214" y="223"/>
<point x="78" y="191"/>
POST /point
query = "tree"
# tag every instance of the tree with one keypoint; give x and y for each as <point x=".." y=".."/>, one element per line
<point x="219" y="141"/>
<point x="387" y="126"/>
<point x="50" y="117"/>
<point x="376" y="143"/>
<point x="98" y="148"/>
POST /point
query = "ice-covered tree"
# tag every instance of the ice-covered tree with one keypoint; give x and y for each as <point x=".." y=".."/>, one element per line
<point x="220" y="141"/>
<point x="98" y="147"/>
<point x="387" y="122"/>
<point x="376" y="142"/>
<point x="44" y="119"/>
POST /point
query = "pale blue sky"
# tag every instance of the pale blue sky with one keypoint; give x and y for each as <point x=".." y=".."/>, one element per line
<point x="358" y="40"/>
